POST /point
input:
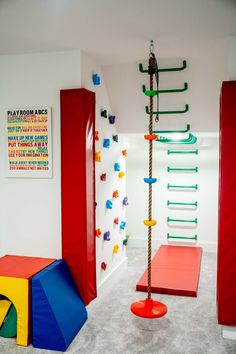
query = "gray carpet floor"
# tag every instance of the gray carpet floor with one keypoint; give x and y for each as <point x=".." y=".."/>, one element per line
<point x="190" y="327"/>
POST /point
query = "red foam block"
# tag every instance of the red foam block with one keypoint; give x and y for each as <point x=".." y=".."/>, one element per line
<point x="22" y="266"/>
<point x="174" y="270"/>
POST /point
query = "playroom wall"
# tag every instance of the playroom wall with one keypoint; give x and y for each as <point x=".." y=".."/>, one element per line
<point x="207" y="68"/>
<point x="30" y="208"/>
<point x="105" y="217"/>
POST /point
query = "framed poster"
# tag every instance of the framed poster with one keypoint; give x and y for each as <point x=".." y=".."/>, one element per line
<point x="29" y="152"/>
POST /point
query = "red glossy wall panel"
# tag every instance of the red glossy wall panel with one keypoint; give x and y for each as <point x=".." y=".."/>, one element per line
<point x="226" y="273"/>
<point x="78" y="188"/>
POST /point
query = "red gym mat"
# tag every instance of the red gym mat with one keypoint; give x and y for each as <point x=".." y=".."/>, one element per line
<point x="175" y="271"/>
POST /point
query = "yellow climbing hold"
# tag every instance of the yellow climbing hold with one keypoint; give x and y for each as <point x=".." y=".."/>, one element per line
<point x="98" y="156"/>
<point x="150" y="222"/>
<point x="115" y="248"/>
<point x="121" y="174"/>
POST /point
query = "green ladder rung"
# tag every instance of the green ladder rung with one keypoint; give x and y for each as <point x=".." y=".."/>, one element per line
<point x="152" y="93"/>
<point x="182" y="152"/>
<point x="184" y="66"/>
<point x="186" y="109"/>
<point x="170" y="169"/>
<point x="182" y="187"/>
<point x="182" y="203"/>
<point x="181" y="220"/>
<point x="172" y="131"/>
<point x="182" y="237"/>
<point x="192" y="139"/>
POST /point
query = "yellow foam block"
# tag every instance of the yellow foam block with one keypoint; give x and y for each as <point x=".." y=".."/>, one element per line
<point x="4" y="307"/>
<point x="149" y="222"/>
<point x="17" y="291"/>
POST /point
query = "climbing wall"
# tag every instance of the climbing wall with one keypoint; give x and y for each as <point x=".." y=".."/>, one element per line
<point x="110" y="176"/>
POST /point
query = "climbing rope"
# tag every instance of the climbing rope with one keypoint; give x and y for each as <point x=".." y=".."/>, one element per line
<point x="152" y="70"/>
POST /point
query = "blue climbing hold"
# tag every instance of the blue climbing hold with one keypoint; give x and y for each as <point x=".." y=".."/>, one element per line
<point x="109" y="204"/>
<point x="96" y="79"/>
<point x="106" y="236"/>
<point x="117" y="167"/>
<point x="150" y="180"/>
<point x="106" y="143"/>
<point x="122" y="225"/>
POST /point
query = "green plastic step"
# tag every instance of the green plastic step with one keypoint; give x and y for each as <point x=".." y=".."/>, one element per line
<point x="8" y="328"/>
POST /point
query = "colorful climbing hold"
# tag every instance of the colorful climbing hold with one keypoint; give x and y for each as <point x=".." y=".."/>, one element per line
<point x="150" y="180"/>
<point x="112" y="119"/>
<point x="117" y="167"/>
<point x="103" y="177"/>
<point x="115" y="248"/>
<point x="150" y="136"/>
<point x="122" y="225"/>
<point x="115" y="194"/>
<point x="96" y="79"/>
<point x="96" y="135"/>
<point x="125" y="201"/>
<point x="121" y="174"/>
<point x="109" y="204"/>
<point x="103" y="266"/>
<point x="124" y="153"/>
<point x="125" y="241"/>
<point x="106" y="143"/>
<point x="98" y="233"/>
<point x="116" y="221"/>
<point x="115" y="138"/>
<point x="149" y="222"/>
<point x="98" y="156"/>
<point x="104" y="113"/>
<point x="106" y="236"/>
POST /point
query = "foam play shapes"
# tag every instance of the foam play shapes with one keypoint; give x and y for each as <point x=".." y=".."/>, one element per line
<point x="96" y="79"/>
<point x="96" y="135"/>
<point x="98" y="156"/>
<point x="121" y="174"/>
<point x="117" y="167"/>
<point x="4" y="307"/>
<point x="103" y="266"/>
<point x="150" y="180"/>
<point x="58" y="312"/>
<point x="106" y="236"/>
<point x="115" y="138"/>
<point x="122" y="225"/>
<point x="104" y="113"/>
<point x="112" y="119"/>
<point x="116" y="221"/>
<point x="116" y="248"/>
<point x="124" y="153"/>
<point x="148" y="308"/>
<point x="8" y="328"/>
<point x="149" y="222"/>
<point x="125" y="201"/>
<point x="106" y="143"/>
<point x="109" y="204"/>
<point x="15" y="275"/>
<point x="175" y="271"/>
<point x="103" y="177"/>
<point x="98" y="233"/>
<point x="150" y="136"/>
<point x="115" y="194"/>
<point x="125" y="241"/>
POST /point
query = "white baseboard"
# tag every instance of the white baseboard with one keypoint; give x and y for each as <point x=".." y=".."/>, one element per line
<point x="229" y="332"/>
<point x="140" y="242"/>
<point x="107" y="282"/>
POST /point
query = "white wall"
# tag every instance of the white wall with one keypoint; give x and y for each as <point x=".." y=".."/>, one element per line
<point x="207" y="68"/>
<point x="30" y="209"/>
<point x="232" y="58"/>
<point x="104" y="190"/>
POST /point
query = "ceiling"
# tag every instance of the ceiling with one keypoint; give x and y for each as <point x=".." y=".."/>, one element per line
<point x="113" y="31"/>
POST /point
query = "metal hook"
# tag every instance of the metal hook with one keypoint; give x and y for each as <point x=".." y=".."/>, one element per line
<point x="151" y="47"/>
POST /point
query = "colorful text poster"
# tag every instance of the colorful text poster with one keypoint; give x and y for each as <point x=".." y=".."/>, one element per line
<point x="29" y="142"/>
